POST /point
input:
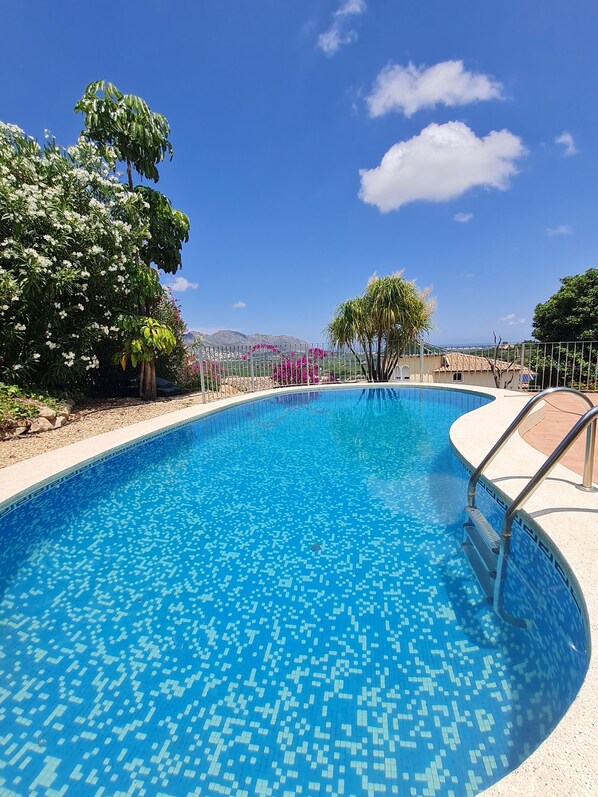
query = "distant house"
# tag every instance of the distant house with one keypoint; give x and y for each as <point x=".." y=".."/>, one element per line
<point x="463" y="369"/>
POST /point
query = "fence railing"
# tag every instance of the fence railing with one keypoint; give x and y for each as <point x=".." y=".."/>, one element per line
<point x="527" y="366"/>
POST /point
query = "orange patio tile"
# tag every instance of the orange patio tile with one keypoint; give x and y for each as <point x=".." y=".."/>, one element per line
<point x="561" y="413"/>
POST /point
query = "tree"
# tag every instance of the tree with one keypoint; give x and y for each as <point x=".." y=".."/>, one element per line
<point x="499" y="367"/>
<point x="146" y="337"/>
<point x="378" y="325"/>
<point x="127" y="130"/>
<point x="572" y="312"/>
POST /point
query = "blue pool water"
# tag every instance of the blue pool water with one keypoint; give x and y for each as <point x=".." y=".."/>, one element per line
<point x="273" y="601"/>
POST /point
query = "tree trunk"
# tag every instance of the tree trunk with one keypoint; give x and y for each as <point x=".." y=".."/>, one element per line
<point x="147" y="381"/>
<point x="147" y="370"/>
<point x="130" y="176"/>
<point x="141" y="377"/>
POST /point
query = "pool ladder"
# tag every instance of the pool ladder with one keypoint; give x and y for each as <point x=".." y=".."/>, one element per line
<point x="487" y="551"/>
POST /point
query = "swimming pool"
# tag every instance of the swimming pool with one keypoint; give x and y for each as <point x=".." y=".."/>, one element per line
<point x="273" y="600"/>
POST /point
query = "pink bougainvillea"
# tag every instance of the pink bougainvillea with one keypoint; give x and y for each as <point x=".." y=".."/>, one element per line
<point x="293" y="369"/>
<point x="189" y="373"/>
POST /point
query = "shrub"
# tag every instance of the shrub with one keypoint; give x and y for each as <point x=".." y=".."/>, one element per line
<point x="189" y="374"/>
<point x="69" y="236"/>
<point x="167" y="310"/>
<point x="293" y="369"/>
<point x="17" y="405"/>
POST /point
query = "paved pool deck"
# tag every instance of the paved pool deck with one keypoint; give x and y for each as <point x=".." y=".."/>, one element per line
<point x="566" y="762"/>
<point x="559" y="414"/>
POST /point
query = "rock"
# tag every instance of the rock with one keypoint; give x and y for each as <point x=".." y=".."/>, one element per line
<point x="229" y="390"/>
<point x="47" y="412"/>
<point x="40" y="425"/>
<point x="61" y="420"/>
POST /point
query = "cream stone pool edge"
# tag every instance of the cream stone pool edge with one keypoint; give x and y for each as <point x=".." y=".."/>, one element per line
<point x="564" y="762"/>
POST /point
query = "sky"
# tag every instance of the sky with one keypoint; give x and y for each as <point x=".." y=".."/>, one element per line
<point x="317" y="142"/>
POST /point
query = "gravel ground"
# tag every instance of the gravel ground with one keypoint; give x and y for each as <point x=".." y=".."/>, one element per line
<point x="90" y="418"/>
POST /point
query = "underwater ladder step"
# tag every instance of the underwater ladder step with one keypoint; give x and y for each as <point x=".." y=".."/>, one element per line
<point x="481" y="545"/>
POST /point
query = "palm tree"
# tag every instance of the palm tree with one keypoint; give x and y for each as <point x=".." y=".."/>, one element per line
<point x="377" y="326"/>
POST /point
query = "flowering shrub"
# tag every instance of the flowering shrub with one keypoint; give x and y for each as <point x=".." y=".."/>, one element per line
<point x="69" y="237"/>
<point x="293" y="369"/>
<point x="189" y="373"/>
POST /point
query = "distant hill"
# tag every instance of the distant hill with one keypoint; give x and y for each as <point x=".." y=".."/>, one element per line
<point x="228" y="337"/>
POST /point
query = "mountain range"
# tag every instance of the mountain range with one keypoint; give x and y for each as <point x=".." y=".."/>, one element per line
<point x="229" y="337"/>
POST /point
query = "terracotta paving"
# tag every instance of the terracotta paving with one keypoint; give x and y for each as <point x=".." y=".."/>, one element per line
<point x="561" y="413"/>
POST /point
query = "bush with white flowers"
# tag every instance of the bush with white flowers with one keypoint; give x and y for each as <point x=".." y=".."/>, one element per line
<point x="70" y="234"/>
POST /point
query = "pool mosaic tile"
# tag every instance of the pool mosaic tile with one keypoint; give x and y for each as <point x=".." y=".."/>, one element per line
<point x="273" y="601"/>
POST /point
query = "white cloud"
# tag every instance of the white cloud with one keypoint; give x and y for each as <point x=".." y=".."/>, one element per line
<point x="239" y="306"/>
<point x="339" y="33"/>
<point x="512" y="320"/>
<point x="409" y="88"/>
<point x="566" y="139"/>
<point x="466" y="275"/>
<point x="180" y="285"/>
<point x="561" y="229"/>
<point x="463" y="218"/>
<point x="439" y="164"/>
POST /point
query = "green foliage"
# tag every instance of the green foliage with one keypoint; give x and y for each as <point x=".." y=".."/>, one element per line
<point x="171" y="366"/>
<point x="572" y="312"/>
<point x="189" y="374"/>
<point x="564" y="364"/>
<point x="378" y="325"/>
<point x="17" y="405"/>
<point x="143" y="339"/>
<point x="169" y="230"/>
<point x="69" y="238"/>
<point x="125" y="128"/>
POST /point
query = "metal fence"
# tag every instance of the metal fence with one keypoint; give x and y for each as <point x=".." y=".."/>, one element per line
<point x="529" y="366"/>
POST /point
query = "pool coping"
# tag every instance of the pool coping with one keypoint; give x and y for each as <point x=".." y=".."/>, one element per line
<point x="563" y="763"/>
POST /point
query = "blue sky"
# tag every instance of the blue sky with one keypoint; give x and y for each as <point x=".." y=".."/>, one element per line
<point x="282" y="113"/>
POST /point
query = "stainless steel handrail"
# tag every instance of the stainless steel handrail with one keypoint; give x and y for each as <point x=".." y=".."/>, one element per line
<point x="590" y="417"/>
<point x="589" y="420"/>
<point x="590" y="442"/>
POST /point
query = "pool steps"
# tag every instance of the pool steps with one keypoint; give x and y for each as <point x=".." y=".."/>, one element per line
<point x="481" y="545"/>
